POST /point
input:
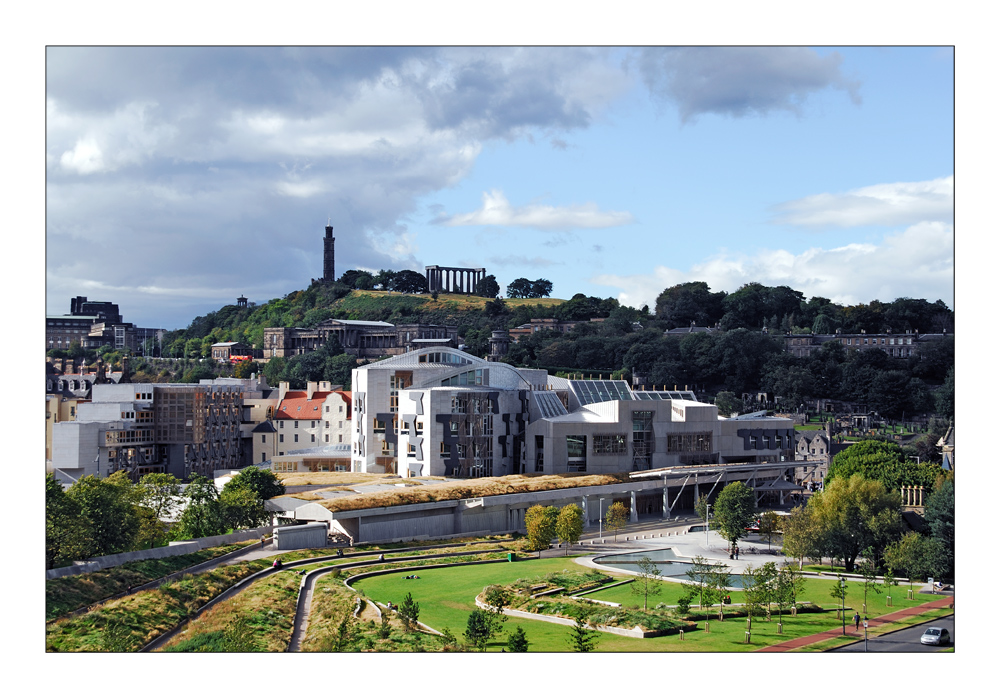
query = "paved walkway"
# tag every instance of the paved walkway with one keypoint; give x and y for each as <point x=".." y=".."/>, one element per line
<point x="943" y="602"/>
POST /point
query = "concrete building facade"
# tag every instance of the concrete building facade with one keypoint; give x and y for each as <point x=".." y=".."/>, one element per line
<point x="440" y="411"/>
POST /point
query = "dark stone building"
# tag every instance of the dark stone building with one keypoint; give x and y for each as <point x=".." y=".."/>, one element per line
<point x="329" y="271"/>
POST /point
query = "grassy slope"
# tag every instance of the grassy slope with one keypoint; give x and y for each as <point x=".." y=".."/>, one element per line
<point x="70" y="593"/>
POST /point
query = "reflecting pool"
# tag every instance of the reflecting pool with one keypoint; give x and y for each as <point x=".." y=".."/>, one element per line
<point x="666" y="561"/>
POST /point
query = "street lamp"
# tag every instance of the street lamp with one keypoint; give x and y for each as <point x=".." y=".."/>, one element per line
<point x="843" y="618"/>
<point x="708" y="508"/>
<point x="600" y="517"/>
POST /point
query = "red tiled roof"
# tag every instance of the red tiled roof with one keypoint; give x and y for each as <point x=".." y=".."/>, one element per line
<point x="297" y="406"/>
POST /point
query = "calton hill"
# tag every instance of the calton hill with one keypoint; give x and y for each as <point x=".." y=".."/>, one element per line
<point x="847" y="548"/>
<point x="731" y="345"/>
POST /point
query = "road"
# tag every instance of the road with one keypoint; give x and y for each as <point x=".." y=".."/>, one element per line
<point x="907" y="640"/>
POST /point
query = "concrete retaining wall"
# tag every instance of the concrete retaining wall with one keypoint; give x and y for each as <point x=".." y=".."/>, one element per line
<point x="176" y="548"/>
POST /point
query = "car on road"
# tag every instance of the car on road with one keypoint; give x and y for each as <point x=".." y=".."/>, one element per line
<point x="935" y="636"/>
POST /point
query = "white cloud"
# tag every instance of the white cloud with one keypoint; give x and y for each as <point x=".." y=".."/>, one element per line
<point x="84" y="158"/>
<point x="900" y="203"/>
<point x="917" y="262"/>
<point x="497" y="210"/>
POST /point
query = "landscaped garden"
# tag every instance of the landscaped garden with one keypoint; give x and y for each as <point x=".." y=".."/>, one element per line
<point x="446" y="597"/>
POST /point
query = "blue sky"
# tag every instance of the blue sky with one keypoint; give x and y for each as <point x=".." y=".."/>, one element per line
<point x="184" y="177"/>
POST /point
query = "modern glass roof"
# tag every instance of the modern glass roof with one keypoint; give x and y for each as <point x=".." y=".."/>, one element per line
<point x="549" y="403"/>
<point x="664" y="395"/>
<point x="588" y="392"/>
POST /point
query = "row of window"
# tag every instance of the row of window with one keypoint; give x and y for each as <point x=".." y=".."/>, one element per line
<point x="778" y="440"/>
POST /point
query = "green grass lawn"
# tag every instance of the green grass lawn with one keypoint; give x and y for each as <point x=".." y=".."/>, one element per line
<point x="446" y="597"/>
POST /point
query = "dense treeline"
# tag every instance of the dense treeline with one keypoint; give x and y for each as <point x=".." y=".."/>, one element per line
<point x="745" y="355"/>
<point x="103" y="516"/>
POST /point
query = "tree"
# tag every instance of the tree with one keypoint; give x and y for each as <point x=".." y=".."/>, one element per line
<point x="478" y="629"/>
<point x="203" y="515"/>
<point x="939" y="513"/>
<point x="496" y="598"/>
<point x="263" y="483"/>
<point x="244" y="369"/>
<point x="799" y="534"/>
<point x="518" y="641"/>
<point x="409" y="611"/>
<point x="869" y="580"/>
<point x="582" y="638"/>
<point x="881" y="461"/>
<point x="157" y="495"/>
<point x="109" y="505"/>
<point x="701" y="507"/>
<point x="915" y="555"/>
<point x="735" y="508"/>
<point x="854" y="514"/>
<point x="788" y="584"/>
<point x="569" y="524"/>
<point x="408" y="281"/>
<point x="726" y="403"/>
<point x="487" y="287"/>
<point x="68" y="534"/>
<point x="770" y="523"/>
<point x="616" y="517"/>
<point x="241" y="507"/>
<point x="646" y="582"/>
<point x="541" y="288"/>
<point x="689" y="303"/>
<point x="519" y="288"/>
<point x="703" y="574"/>
<point x="540" y="523"/>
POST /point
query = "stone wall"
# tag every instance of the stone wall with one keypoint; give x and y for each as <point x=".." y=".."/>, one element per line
<point x="177" y="548"/>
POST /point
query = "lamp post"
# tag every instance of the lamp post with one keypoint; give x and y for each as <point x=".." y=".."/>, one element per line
<point x="600" y="518"/>
<point x="708" y="509"/>
<point x="843" y="618"/>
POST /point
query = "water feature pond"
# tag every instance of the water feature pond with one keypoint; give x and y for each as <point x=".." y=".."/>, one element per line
<point x="666" y="561"/>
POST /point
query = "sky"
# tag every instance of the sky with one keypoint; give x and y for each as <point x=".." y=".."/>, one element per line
<point x="183" y="177"/>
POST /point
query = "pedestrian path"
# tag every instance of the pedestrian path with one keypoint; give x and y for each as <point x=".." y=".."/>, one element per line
<point x="943" y="602"/>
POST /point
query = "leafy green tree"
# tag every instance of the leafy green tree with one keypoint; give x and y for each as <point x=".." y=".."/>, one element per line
<point x="203" y="516"/>
<point x="582" y="638"/>
<point x="616" y="517"/>
<point x="944" y="397"/>
<point x="517" y="641"/>
<point x="735" y="509"/>
<point x="478" y="629"/>
<point x="409" y="611"/>
<point x="241" y="507"/>
<point x="939" y="513"/>
<point x="646" y="582"/>
<point x="263" y="483"/>
<point x="788" y="584"/>
<point x="496" y="598"/>
<point x="540" y="523"/>
<point x="703" y="574"/>
<point x="68" y="534"/>
<point x="540" y="288"/>
<point x="244" y="369"/>
<point x="109" y="504"/>
<point x="854" y="514"/>
<point x="701" y="507"/>
<point x="726" y="403"/>
<point x="883" y="462"/>
<point x="869" y="580"/>
<point x="519" y="288"/>
<point x="689" y="303"/>
<point x="487" y="287"/>
<point x="914" y="555"/>
<point x="569" y="524"/>
<point x="156" y="495"/>
<point x="800" y="537"/>
<point x="408" y="281"/>
<point x="770" y="523"/>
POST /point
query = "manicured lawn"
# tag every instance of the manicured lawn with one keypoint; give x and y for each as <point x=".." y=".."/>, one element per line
<point x="446" y="599"/>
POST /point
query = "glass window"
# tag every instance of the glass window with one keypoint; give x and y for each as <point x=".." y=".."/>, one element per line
<point x="576" y="446"/>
